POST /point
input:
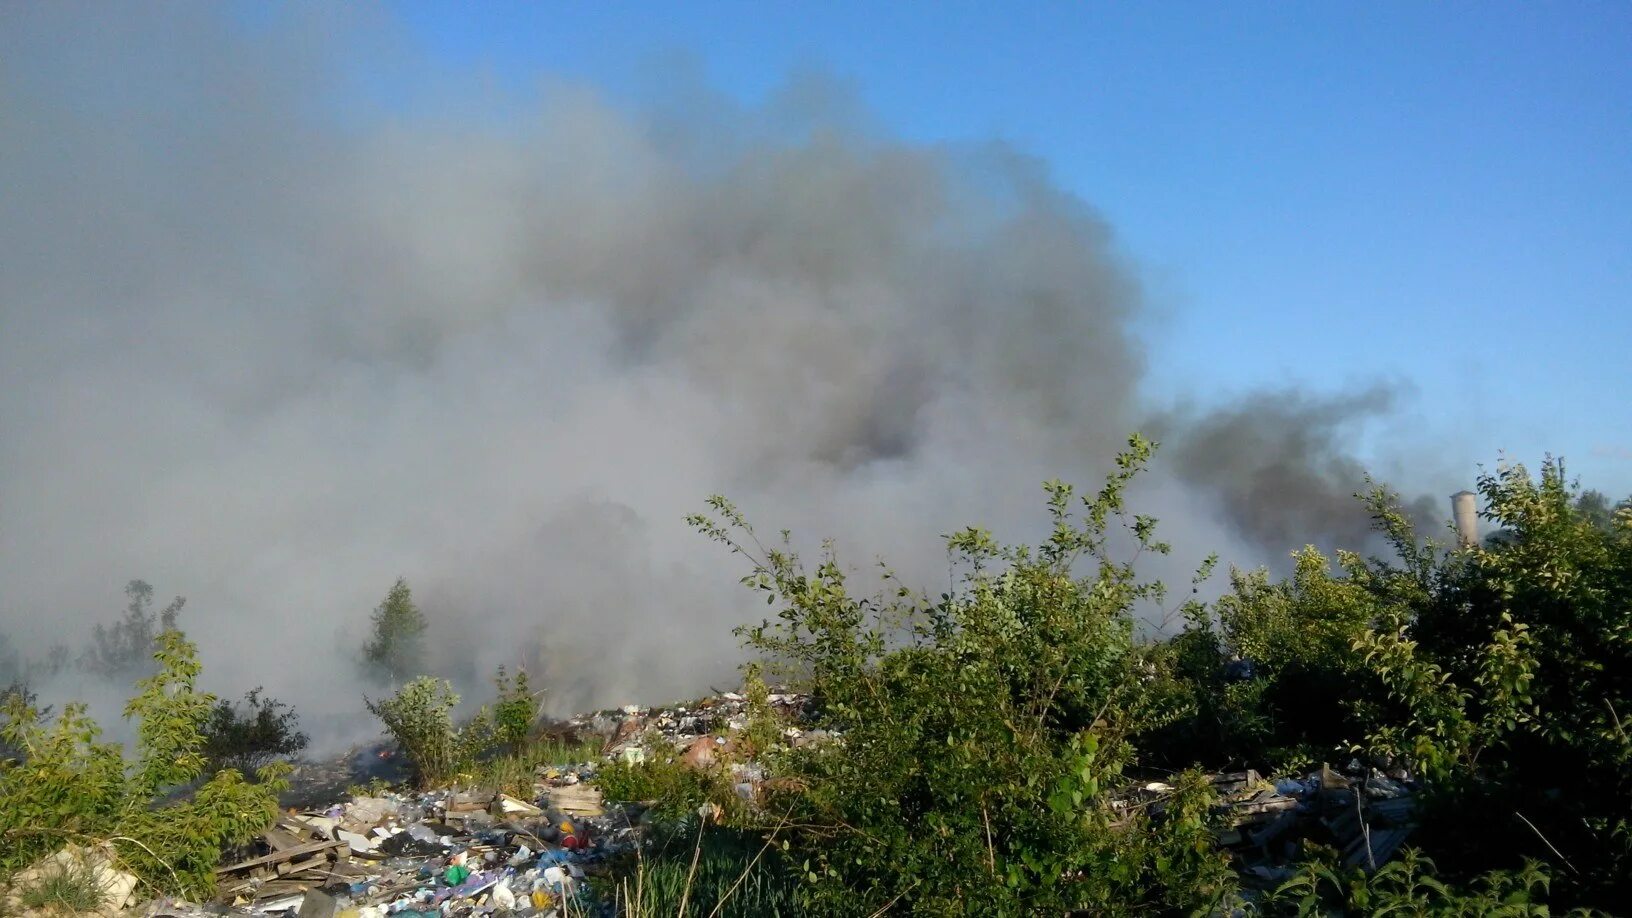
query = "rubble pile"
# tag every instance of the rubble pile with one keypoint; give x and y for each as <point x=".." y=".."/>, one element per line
<point x="703" y="733"/>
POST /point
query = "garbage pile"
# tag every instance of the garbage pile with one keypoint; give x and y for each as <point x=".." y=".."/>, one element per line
<point x="439" y="853"/>
<point x="702" y="732"/>
<point x="1362" y="813"/>
<point x="626" y="732"/>
<point x="452" y="853"/>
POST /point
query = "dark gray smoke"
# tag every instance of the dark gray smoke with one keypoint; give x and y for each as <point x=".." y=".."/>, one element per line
<point x="1281" y="465"/>
<point x="272" y="336"/>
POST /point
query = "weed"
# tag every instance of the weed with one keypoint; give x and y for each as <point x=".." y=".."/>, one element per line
<point x="68" y="886"/>
<point x="515" y="711"/>
<point x="516" y="772"/>
<point x="376" y="787"/>
<point x="674" y="789"/>
<point x="691" y="868"/>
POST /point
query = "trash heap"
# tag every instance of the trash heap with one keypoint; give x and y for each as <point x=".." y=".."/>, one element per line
<point x="439" y="853"/>
<point x="627" y="730"/>
<point x="455" y="853"/>
<point x="1362" y="813"/>
<point x="701" y="732"/>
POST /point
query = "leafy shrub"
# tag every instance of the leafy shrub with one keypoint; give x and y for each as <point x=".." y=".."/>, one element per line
<point x="515" y="712"/>
<point x="1271" y="680"/>
<point x="250" y="735"/>
<point x="71" y="786"/>
<point x="1499" y="673"/>
<point x="420" y="718"/>
<point x="982" y="732"/>
<point x="675" y="789"/>
<point x="1515" y="662"/>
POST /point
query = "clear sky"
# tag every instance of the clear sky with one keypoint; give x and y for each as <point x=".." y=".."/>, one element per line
<point x="1438" y="194"/>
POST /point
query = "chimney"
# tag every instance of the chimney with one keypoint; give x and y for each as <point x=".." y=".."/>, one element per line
<point x="1465" y="511"/>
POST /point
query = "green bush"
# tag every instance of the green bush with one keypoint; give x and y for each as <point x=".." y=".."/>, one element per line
<point x="980" y="733"/>
<point x="1499" y="673"/>
<point x="675" y="789"/>
<point x="248" y="736"/>
<point x="420" y="718"/>
<point x="69" y="786"/>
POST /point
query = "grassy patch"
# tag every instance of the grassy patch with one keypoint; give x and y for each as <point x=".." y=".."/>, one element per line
<point x="70" y="888"/>
<point x="514" y="773"/>
<point x="705" y="870"/>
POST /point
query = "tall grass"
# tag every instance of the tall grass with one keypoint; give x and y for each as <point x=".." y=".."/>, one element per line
<point x="705" y="871"/>
<point x="70" y="887"/>
<point x="515" y="773"/>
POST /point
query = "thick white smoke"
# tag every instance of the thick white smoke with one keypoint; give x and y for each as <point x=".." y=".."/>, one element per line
<point x="270" y="341"/>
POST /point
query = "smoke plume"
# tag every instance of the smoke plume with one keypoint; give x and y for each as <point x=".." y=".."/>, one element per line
<point x="271" y="337"/>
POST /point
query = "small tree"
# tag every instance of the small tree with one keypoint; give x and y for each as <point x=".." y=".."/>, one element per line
<point x="515" y="712"/>
<point x="397" y="647"/>
<point x="127" y="646"/>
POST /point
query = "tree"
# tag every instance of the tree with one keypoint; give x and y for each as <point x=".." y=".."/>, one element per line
<point x="127" y="646"/>
<point x="397" y="648"/>
<point x="1595" y="508"/>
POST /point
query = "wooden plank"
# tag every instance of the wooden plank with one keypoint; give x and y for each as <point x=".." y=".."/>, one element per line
<point x="299" y="827"/>
<point x="283" y="888"/>
<point x="291" y="867"/>
<point x="278" y="857"/>
<point x="282" y="839"/>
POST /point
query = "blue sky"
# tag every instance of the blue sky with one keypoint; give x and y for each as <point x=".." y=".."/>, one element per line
<point x="1433" y="194"/>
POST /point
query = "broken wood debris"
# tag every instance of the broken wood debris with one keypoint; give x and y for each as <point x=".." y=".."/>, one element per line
<point x="299" y="856"/>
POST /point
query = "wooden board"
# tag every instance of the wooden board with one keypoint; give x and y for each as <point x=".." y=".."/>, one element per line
<point x="278" y="857"/>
